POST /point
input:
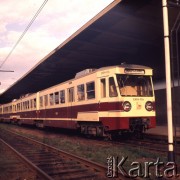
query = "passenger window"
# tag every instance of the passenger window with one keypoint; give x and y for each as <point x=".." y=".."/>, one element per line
<point x="62" y="96"/>
<point x="112" y="88"/>
<point x="51" y="99"/>
<point x="23" y="106"/>
<point x="46" y="100"/>
<point x="80" y="92"/>
<point x="34" y="103"/>
<point x="31" y="104"/>
<point x="56" y="97"/>
<point x="103" y="88"/>
<point x="41" y="101"/>
<point x="71" y="94"/>
<point x="90" y="90"/>
<point x="27" y="104"/>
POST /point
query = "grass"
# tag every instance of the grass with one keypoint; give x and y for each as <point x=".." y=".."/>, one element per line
<point x="99" y="153"/>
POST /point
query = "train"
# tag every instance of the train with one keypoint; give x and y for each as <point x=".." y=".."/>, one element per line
<point x="102" y="102"/>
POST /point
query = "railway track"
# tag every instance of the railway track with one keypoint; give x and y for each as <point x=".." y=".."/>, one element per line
<point x="160" y="147"/>
<point x="152" y="146"/>
<point x="51" y="163"/>
<point x="12" y="167"/>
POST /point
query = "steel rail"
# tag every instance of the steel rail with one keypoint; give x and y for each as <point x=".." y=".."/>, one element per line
<point x="84" y="161"/>
<point x="39" y="172"/>
<point x="98" y="168"/>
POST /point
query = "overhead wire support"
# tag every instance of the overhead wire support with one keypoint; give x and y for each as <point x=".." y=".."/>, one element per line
<point x="6" y="70"/>
<point x="29" y="25"/>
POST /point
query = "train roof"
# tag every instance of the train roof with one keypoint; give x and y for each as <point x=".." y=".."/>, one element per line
<point x="124" y="65"/>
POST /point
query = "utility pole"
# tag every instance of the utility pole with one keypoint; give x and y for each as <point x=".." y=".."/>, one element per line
<point x="171" y="157"/>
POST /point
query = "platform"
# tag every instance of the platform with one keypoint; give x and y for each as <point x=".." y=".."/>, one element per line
<point x="163" y="130"/>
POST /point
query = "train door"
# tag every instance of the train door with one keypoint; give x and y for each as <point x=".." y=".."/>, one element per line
<point x="71" y="99"/>
<point x="103" y="101"/>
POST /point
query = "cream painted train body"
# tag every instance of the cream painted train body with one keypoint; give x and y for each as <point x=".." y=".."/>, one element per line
<point x="101" y="102"/>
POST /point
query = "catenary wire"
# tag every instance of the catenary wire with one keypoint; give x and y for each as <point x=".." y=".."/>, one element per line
<point x="31" y="22"/>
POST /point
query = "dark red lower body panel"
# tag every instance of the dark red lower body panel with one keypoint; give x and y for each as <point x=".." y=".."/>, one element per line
<point x="61" y="124"/>
<point x="152" y="122"/>
<point x="115" y="123"/>
<point x="27" y="121"/>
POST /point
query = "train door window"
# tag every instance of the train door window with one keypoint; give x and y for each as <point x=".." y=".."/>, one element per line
<point x="56" y="97"/>
<point x="90" y="90"/>
<point x="80" y="92"/>
<point x="62" y="96"/>
<point x="71" y="94"/>
<point x="103" y="88"/>
<point x="41" y="101"/>
<point x="51" y="99"/>
<point x="46" y="100"/>
<point x="112" y="88"/>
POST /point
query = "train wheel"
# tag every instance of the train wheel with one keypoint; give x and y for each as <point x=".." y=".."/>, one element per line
<point x="108" y="137"/>
<point x="19" y="122"/>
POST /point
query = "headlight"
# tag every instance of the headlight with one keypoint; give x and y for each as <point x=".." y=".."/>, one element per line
<point x="149" y="106"/>
<point x="126" y="106"/>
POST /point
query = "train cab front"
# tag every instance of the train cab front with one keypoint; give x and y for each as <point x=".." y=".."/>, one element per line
<point x="132" y="108"/>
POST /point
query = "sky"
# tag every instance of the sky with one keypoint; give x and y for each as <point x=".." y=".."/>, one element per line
<point x="58" y="20"/>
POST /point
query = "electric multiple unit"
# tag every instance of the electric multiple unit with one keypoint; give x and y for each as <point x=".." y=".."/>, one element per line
<point x="100" y="102"/>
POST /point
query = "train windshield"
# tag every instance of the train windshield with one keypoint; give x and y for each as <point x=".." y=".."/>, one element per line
<point x="134" y="85"/>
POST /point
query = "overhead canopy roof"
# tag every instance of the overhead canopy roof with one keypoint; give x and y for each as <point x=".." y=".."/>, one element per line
<point x="128" y="31"/>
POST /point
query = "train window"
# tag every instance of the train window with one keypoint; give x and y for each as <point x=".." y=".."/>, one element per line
<point x="35" y="103"/>
<point x="41" y="101"/>
<point x="23" y="106"/>
<point x="80" y="92"/>
<point x="134" y="85"/>
<point x="18" y="107"/>
<point x="51" y="99"/>
<point x="62" y="96"/>
<point x="31" y="103"/>
<point x="9" y="108"/>
<point x="90" y="90"/>
<point x="103" y="88"/>
<point x="25" y="103"/>
<point x="56" y="97"/>
<point x="112" y="88"/>
<point x="46" y="100"/>
<point x="28" y="104"/>
<point x="71" y="94"/>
